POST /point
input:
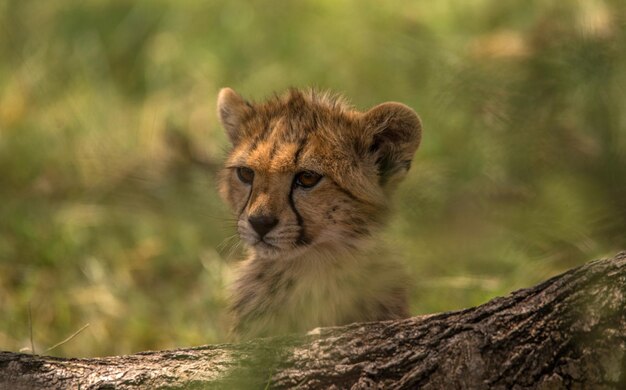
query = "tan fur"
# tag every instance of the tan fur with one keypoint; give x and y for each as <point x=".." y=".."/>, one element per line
<point x="321" y="264"/>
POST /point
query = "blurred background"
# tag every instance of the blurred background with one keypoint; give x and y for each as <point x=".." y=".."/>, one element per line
<point x="109" y="143"/>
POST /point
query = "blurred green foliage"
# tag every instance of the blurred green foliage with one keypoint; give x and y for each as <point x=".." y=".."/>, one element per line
<point x="106" y="219"/>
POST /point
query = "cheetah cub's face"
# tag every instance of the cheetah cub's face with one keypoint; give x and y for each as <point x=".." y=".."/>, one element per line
<point x="307" y="171"/>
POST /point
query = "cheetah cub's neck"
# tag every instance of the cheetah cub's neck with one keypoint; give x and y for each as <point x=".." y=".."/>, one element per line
<point x="309" y="178"/>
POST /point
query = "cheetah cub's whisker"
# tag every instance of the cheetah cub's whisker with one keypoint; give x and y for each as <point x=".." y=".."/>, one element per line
<point x="309" y="178"/>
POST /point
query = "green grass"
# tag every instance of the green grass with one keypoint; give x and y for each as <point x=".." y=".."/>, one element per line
<point x="104" y="220"/>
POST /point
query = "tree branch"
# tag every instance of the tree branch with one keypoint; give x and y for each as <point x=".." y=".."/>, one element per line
<point x="568" y="332"/>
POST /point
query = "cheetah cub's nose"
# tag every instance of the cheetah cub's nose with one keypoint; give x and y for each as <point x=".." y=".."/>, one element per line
<point x="262" y="224"/>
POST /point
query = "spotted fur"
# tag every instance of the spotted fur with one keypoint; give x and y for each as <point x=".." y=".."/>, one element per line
<point x="321" y="264"/>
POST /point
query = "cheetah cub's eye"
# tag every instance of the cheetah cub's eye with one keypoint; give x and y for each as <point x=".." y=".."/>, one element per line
<point x="307" y="179"/>
<point x="246" y="175"/>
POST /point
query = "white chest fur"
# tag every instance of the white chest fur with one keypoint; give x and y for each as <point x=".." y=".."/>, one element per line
<point x="296" y="295"/>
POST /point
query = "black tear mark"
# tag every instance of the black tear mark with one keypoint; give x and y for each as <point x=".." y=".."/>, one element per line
<point x="302" y="238"/>
<point x="246" y="203"/>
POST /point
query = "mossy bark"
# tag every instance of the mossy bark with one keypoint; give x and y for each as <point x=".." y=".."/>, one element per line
<point x="568" y="332"/>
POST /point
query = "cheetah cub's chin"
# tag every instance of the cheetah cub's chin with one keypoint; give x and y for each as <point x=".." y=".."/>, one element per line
<point x="309" y="179"/>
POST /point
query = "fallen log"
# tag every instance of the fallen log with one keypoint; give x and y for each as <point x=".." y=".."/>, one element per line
<point x="567" y="332"/>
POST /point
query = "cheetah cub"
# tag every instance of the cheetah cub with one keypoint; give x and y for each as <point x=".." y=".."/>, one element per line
<point x="309" y="178"/>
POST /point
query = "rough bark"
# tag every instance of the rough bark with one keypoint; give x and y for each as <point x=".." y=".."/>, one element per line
<point x="568" y="332"/>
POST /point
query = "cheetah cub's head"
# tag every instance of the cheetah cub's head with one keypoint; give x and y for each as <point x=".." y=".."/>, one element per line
<point x="307" y="171"/>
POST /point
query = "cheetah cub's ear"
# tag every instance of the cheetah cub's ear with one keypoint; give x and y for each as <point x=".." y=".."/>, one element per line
<point x="232" y="109"/>
<point x="393" y="132"/>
